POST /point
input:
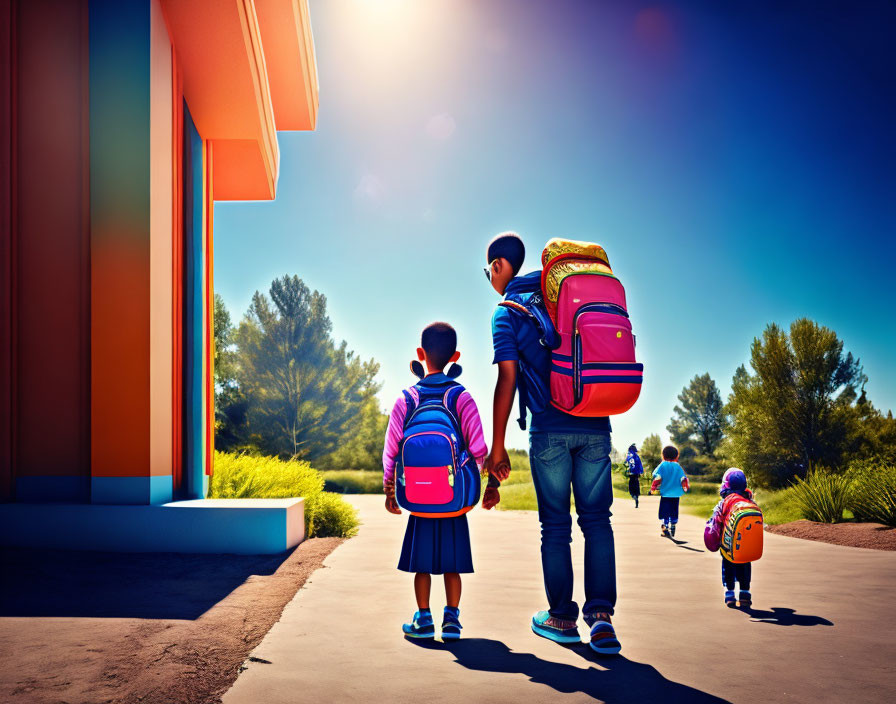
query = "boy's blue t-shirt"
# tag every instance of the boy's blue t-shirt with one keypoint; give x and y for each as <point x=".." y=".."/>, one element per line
<point x="515" y="338"/>
<point x="670" y="474"/>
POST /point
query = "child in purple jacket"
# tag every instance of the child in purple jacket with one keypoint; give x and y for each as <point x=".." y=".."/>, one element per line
<point x="734" y="484"/>
<point x="438" y="546"/>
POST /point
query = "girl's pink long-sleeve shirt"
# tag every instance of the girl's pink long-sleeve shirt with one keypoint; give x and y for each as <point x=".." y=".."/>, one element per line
<point x="470" y="426"/>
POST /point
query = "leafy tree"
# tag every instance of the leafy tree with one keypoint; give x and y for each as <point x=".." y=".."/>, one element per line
<point x="651" y="451"/>
<point x="362" y="447"/>
<point x="875" y="433"/>
<point x="304" y="391"/>
<point x="231" y="405"/>
<point x="795" y="410"/>
<point x="225" y="358"/>
<point x="699" y="418"/>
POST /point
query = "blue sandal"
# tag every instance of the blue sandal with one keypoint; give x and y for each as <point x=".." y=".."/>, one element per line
<point x="421" y="625"/>
<point x="603" y="639"/>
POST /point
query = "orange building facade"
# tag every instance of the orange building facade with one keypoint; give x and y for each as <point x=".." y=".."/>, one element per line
<point x="122" y="122"/>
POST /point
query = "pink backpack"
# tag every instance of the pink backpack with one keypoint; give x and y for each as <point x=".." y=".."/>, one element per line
<point x="593" y="370"/>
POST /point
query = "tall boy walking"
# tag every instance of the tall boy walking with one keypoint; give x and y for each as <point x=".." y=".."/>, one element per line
<point x="565" y="452"/>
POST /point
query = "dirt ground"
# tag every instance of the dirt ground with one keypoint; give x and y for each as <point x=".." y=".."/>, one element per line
<point x="874" y="536"/>
<point x="103" y="627"/>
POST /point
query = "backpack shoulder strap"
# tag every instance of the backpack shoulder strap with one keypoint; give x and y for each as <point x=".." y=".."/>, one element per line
<point x="533" y="309"/>
<point x="449" y="400"/>
<point x="410" y="401"/>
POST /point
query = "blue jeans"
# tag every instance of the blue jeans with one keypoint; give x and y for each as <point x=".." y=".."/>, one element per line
<point x="561" y="460"/>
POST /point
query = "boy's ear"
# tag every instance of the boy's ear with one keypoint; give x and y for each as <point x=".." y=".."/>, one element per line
<point x="421" y="355"/>
<point x="455" y="356"/>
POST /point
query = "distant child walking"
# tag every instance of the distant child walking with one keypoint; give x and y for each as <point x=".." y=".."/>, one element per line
<point x="635" y="472"/>
<point x="435" y="441"/>
<point x="735" y="528"/>
<point x="672" y="483"/>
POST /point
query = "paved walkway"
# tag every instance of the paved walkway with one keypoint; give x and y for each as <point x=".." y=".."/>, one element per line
<point x="823" y="631"/>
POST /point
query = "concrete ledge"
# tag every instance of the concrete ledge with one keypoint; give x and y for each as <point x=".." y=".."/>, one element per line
<point x="242" y="526"/>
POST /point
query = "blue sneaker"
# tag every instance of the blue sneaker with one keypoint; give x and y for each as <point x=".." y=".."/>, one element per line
<point x="421" y="625"/>
<point x="730" y="601"/>
<point x="555" y="629"/>
<point x="451" y="623"/>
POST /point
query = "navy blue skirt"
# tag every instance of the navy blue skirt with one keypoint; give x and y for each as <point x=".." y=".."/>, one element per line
<point x="436" y="545"/>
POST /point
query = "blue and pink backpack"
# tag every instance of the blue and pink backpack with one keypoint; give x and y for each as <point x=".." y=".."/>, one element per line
<point x="582" y="317"/>
<point x="435" y="476"/>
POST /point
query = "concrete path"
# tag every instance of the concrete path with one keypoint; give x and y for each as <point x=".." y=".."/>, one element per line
<point x="823" y="630"/>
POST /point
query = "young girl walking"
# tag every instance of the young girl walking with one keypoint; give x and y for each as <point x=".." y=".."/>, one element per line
<point x="733" y="492"/>
<point x="434" y="545"/>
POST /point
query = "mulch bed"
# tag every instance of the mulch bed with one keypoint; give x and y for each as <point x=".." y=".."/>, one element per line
<point x="873" y="536"/>
<point x="104" y="627"/>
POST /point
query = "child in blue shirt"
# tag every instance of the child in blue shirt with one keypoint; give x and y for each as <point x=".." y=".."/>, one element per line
<point x="672" y="482"/>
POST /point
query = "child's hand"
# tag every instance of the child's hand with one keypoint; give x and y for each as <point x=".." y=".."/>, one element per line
<point x="392" y="505"/>
<point x="490" y="498"/>
<point x="498" y="463"/>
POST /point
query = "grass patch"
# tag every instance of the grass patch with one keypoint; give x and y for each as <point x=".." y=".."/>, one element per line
<point x="241" y="476"/>
<point x="518" y="497"/>
<point x="778" y="506"/>
<point x="353" y="481"/>
<point x="518" y="492"/>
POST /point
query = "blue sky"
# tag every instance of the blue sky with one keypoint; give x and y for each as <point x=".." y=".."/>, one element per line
<point x="736" y="164"/>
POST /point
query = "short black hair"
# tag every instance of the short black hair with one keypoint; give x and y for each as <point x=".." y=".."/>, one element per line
<point x="670" y="452"/>
<point x="439" y="341"/>
<point x="509" y="246"/>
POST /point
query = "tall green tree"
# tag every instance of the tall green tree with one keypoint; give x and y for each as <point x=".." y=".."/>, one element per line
<point x="699" y="417"/>
<point x="224" y="368"/>
<point x="875" y="433"/>
<point x="305" y="392"/>
<point x="651" y="451"/>
<point x="231" y="405"/>
<point x="795" y="410"/>
<point x="362" y="447"/>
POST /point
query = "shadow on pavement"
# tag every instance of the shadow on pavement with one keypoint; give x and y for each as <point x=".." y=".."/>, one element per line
<point x="781" y="616"/>
<point x="615" y="679"/>
<point x="118" y="585"/>
<point x="683" y="544"/>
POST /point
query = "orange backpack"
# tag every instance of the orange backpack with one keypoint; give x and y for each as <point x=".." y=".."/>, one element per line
<point x="742" y="534"/>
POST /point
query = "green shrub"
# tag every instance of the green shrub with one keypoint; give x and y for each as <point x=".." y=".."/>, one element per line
<point x="242" y="476"/>
<point x="331" y="515"/>
<point x="872" y="491"/>
<point x="822" y="496"/>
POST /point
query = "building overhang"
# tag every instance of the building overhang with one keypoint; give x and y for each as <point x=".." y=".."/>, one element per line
<point x="248" y="69"/>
